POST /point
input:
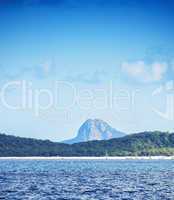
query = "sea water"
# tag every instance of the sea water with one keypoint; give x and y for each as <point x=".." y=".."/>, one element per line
<point x="87" y="179"/>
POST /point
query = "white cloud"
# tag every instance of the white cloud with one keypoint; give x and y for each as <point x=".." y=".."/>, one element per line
<point x="143" y="72"/>
<point x="45" y="69"/>
<point x="92" y="77"/>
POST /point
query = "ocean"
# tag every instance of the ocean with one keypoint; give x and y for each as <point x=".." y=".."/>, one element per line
<point x="86" y="179"/>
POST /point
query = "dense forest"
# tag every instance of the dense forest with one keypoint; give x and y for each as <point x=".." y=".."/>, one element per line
<point x="141" y="144"/>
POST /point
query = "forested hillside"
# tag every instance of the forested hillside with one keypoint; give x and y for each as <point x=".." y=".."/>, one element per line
<point x="141" y="144"/>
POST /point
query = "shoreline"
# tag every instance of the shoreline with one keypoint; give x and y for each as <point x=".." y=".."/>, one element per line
<point x="91" y="158"/>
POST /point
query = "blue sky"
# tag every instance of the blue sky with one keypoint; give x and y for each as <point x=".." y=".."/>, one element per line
<point x="89" y="44"/>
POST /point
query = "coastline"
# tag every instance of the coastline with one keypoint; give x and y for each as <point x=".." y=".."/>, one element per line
<point x="91" y="158"/>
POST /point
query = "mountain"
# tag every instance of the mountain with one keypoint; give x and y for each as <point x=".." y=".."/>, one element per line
<point x="95" y="129"/>
<point x="141" y="144"/>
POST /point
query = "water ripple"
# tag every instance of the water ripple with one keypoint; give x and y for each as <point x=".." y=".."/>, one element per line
<point x="84" y="180"/>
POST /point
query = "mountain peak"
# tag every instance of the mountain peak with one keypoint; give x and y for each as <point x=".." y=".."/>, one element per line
<point x="95" y="129"/>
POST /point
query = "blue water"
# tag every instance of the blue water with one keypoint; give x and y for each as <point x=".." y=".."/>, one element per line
<point x="90" y="180"/>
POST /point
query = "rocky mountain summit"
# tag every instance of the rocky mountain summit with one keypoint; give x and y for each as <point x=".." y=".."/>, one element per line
<point x="95" y="129"/>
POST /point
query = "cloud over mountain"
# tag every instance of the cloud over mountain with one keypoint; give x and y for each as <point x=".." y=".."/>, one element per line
<point x="145" y="72"/>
